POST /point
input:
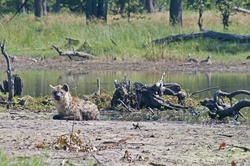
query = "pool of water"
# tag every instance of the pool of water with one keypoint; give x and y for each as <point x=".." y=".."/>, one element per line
<point x="36" y="82"/>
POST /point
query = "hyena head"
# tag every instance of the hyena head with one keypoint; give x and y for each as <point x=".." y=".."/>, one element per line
<point x="59" y="92"/>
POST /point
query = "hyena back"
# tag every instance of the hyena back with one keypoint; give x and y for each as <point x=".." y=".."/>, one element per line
<point x="72" y="108"/>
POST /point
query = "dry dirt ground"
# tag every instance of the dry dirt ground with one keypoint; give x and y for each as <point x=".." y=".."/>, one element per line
<point x="124" y="142"/>
<point x="121" y="143"/>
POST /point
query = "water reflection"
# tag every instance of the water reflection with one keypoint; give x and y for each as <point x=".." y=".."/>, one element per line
<point x="36" y="82"/>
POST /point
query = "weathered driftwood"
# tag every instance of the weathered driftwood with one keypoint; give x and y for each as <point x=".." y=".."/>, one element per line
<point x="150" y="97"/>
<point x="219" y="94"/>
<point x="207" y="34"/>
<point x="123" y="92"/>
<point x="220" y="109"/>
<point x="73" y="53"/>
<point x="17" y="83"/>
<point x="175" y="89"/>
<point x="144" y="96"/>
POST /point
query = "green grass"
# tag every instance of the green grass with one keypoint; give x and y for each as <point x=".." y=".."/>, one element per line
<point x="20" y="161"/>
<point x="30" y="36"/>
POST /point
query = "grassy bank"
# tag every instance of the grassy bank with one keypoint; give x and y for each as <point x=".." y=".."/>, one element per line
<point x="30" y="36"/>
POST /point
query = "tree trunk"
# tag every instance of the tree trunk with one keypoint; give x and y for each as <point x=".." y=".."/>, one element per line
<point x="149" y="5"/>
<point x="97" y="9"/>
<point x="102" y="9"/>
<point x="175" y="13"/>
<point x="122" y="6"/>
<point x="57" y="6"/>
<point x="91" y="10"/>
<point x="40" y="8"/>
<point x="23" y="8"/>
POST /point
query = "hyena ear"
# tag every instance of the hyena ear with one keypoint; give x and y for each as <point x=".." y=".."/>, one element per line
<point x="65" y="87"/>
<point x="52" y="87"/>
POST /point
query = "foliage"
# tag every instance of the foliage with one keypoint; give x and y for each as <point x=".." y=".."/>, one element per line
<point x="11" y="6"/>
<point x="74" y="6"/>
<point x="102" y="101"/>
<point x="201" y="6"/>
<point x="226" y="7"/>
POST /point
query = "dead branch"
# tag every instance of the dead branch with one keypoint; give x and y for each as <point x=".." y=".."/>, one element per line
<point x="10" y="81"/>
<point x="151" y="110"/>
<point x="73" y="53"/>
<point x="218" y="94"/>
<point x="124" y="105"/>
<point x="98" y="91"/>
<point x="113" y="144"/>
<point x="203" y="90"/>
<point x="7" y="102"/>
<point x="206" y="34"/>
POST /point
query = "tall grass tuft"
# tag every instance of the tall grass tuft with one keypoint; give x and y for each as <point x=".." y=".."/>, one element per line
<point x="27" y="35"/>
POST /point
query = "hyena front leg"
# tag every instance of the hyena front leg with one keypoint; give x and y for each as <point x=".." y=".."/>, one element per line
<point x="69" y="117"/>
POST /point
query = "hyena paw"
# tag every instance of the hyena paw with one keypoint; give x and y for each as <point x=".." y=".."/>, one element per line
<point x="70" y="117"/>
<point x="57" y="117"/>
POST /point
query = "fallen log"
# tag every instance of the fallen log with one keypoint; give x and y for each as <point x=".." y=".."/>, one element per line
<point x="73" y="53"/>
<point x="206" y="34"/>
<point x="238" y="9"/>
<point x="233" y="111"/>
<point x="220" y="109"/>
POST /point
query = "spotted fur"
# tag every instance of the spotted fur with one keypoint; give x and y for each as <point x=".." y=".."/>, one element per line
<point x="72" y="108"/>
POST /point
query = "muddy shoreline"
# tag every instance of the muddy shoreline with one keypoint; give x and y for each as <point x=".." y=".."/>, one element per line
<point x="63" y="63"/>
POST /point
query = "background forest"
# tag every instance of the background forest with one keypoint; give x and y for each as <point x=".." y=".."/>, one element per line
<point x="121" y="29"/>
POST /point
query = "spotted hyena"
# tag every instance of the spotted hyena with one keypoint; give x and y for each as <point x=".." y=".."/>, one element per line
<point x="72" y="108"/>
